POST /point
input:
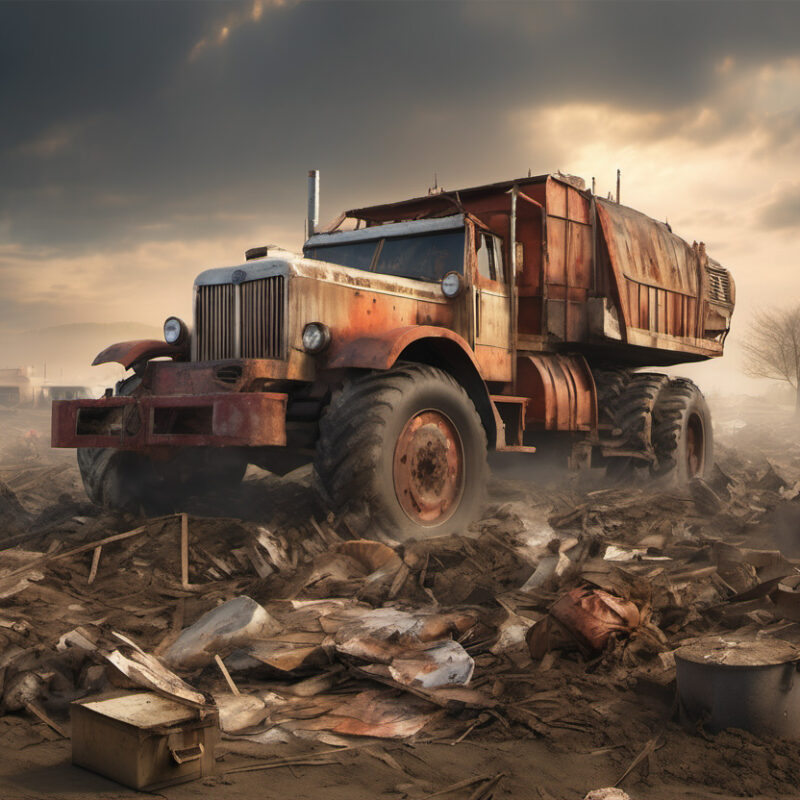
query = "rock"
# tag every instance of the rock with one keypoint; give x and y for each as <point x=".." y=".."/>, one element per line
<point x="230" y="625"/>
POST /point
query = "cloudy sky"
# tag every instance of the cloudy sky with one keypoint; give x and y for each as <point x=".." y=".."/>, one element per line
<point x="142" y="142"/>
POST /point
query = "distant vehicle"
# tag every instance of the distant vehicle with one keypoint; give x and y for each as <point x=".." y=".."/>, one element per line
<point x="394" y="354"/>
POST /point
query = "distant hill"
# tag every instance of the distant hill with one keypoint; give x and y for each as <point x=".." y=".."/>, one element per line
<point x="66" y="352"/>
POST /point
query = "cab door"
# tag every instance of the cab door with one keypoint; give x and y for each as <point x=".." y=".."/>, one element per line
<point x="491" y="307"/>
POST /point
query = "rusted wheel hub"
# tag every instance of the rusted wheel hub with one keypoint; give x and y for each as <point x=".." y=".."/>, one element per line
<point x="695" y="446"/>
<point x="429" y="468"/>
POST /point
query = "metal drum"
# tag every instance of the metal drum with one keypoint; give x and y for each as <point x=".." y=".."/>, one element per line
<point x="752" y="685"/>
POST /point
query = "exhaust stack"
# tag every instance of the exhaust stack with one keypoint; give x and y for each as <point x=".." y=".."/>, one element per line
<point x="312" y="221"/>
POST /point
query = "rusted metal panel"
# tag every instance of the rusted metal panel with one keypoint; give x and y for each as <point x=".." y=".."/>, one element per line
<point x="381" y="350"/>
<point x="212" y="377"/>
<point x="239" y="419"/>
<point x="667" y="287"/>
<point x="562" y="392"/>
<point x="129" y="353"/>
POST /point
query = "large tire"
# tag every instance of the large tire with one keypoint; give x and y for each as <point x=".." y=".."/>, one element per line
<point x="403" y="453"/>
<point x="683" y="439"/>
<point x="123" y="480"/>
<point x="628" y="401"/>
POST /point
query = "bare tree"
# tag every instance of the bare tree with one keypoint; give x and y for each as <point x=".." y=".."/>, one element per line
<point x="772" y="347"/>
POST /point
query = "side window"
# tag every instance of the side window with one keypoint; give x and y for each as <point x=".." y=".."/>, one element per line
<point x="490" y="256"/>
<point x="498" y="257"/>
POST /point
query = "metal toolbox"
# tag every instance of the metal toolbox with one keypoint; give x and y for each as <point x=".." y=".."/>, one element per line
<point x="143" y="740"/>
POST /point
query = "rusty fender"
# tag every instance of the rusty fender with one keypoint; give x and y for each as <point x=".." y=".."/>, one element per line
<point x="237" y="419"/>
<point x="380" y="350"/>
<point x="130" y="353"/>
<point x="428" y="344"/>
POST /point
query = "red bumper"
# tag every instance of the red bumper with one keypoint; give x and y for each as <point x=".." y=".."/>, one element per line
<point x="246" y="419"/>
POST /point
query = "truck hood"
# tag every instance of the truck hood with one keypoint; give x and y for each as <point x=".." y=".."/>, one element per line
<point x="283" y="262"/>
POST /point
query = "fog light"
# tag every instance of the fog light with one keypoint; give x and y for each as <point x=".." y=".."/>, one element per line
<point x="175" y="331"/>
<point x="316" y="337"/>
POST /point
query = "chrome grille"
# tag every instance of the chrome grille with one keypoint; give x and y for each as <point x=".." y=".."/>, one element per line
<point x="719" y="284"/>
<point x="262" y="318"/>
<point x="215" y="322"/>
<point x="245" y="320"/>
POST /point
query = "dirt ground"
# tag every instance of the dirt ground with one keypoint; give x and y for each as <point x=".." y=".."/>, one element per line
<point x="547" y="728"/>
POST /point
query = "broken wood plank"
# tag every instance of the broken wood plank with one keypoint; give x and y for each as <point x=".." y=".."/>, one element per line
<point x="225" y="674"/>
<point x="95" y="563"/>
<point x="184" y="551"/>
<point x="37" y="711"/>
<point x="46" y="559"/>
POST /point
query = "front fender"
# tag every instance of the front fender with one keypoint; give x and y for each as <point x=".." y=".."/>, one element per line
<point x="129" y="353"/>
<point x="425" y="344"/>
<point x="380" y="351"/>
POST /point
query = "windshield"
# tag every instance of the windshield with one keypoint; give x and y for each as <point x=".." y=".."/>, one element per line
<point x="425" y="257"/>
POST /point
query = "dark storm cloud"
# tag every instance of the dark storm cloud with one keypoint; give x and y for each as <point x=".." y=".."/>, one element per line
<point x="783" y="211"/>
<point x="112" y="132"/>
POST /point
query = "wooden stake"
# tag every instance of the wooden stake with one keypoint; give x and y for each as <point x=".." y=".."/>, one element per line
<point x="185" y="551"/>
<point x="95" y="564"/>
<point x="225" y="674"/>
<point x="36" y="711"/>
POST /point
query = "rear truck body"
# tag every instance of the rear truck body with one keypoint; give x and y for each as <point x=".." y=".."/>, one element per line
<point x="504" y="316"/>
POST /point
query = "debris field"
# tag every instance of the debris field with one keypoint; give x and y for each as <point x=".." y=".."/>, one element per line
<point x="531" y="657"/>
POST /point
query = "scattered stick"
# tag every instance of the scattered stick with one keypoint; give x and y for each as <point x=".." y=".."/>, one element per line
<point x="483" y="792"/>
<point x="466" y="733"/>
<point x="225" y="674"/>
<point x="454" y="787"/>
<point x="117" y="537"/>
<point x="95" y="563"/>
<point x="184" y="551"/>
<point x="646" y="751"/>
<point x="303" y="762"/>
<point x="39" y="712"/>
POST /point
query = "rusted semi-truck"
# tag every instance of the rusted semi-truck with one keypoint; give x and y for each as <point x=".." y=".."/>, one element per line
<point x="408" y="340"/>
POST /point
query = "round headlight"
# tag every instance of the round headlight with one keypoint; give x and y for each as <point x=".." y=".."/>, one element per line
<point x="175" y="331"/>
<point x="316" y="337"/>
<point x="452" y="284"/>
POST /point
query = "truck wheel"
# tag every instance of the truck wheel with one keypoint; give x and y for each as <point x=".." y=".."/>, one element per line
<point x="629" y="408"/>
<point x="121" y="480"/>
<point x="403" y="451"/>
<point x="683" y="439"/>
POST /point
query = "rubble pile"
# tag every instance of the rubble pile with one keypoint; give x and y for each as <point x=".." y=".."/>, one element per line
<point x="556" y="618"/>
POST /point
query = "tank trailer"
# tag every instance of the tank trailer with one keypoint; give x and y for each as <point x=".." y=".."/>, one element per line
<point x="408" y="340"/>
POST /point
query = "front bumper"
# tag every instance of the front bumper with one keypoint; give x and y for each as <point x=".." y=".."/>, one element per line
<point x="236" y="419"/>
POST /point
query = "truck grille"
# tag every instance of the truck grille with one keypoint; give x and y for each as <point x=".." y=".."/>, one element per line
<point x="719" y="284"/>
<point x="243" y="320"/>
